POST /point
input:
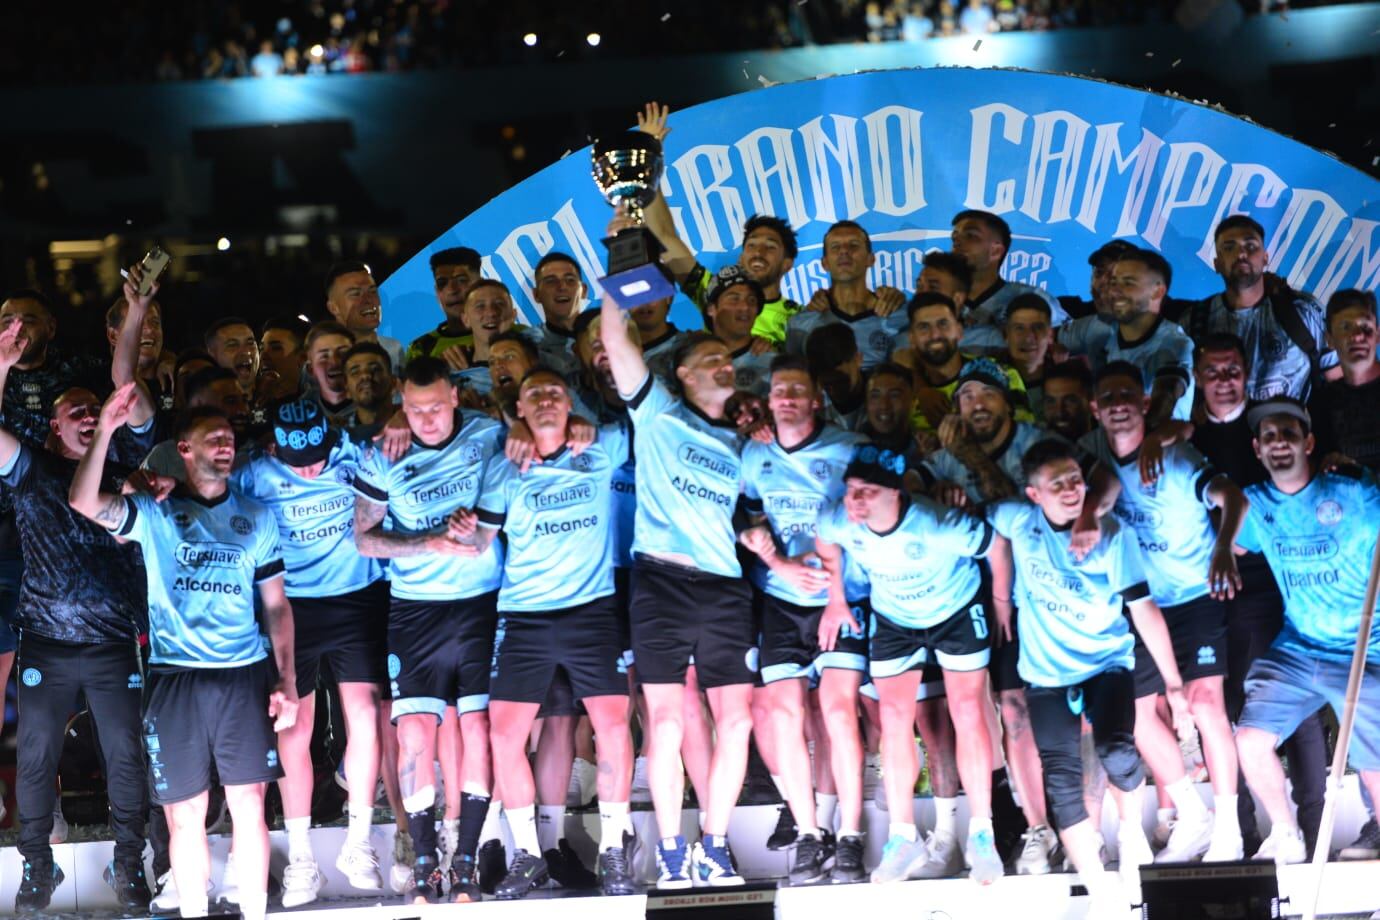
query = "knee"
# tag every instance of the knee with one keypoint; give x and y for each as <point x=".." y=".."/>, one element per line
<point x="1121" y="760"/>
<point x="474" y="730"/>
<point x="1063" y="782"/>
<point x="1253" y="744"/>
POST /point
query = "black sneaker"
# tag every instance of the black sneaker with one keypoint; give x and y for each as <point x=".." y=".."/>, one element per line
<point x="566" y="869"/>
<point x="126" y="877"/>
<point x="830" y="845"/>
<point x="493" y="865"/>
<point x="785" y="833"/>
<point x="848" y="861"/>
<point x="41" y="878"/>
<point x="427" y="881"/>
<point x="526" y="872"/>
<point x="1366" y="845"/>
<point x="615" y="870"/>
<point x="808" y="865"/>
<point x="463" y="887"/>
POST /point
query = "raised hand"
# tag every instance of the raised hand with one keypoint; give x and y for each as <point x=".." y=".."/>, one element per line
<point x="117" y="408"/>
<point x="652" y="120"/>
<point x="13" y="341"/>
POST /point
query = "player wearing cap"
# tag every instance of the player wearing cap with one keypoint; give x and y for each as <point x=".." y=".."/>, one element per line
<point x="1166" y="496"/>
<point x="340" y="613"/>
<point x="1077" y="654"/>
<point x="685" y="556"/>
<point x="442" y="610"/>
<point x="211" y="702"/>
<point x="786" y="484"/>
<point x="919" y="558"/>
<point x="1318" y="532"/>
<point x="558" y="617"/>
<point x="733" y="302"/>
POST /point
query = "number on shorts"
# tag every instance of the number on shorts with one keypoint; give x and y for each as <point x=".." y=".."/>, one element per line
<point x="979" y="618"/>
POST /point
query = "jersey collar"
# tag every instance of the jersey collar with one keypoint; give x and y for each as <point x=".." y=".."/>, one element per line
<point x="1149" y="334"/>
<point x="900" y="517"/>
<point x="671" y="333"/>
<point x="813" y="437"/>
<point x="181" y="491"/>
<point x="974" y="302"/>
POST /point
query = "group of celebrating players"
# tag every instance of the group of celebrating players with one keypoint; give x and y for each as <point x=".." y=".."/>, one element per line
<point x="1077" y="537"/>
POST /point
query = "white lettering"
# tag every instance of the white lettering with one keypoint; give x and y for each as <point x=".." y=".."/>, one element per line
<point x="1066" y="158"/>
<point x="1355" y="245"/>
<point x="908" y="161"/>
<point x="1106" y="156"/>
<point x="1168" y="200"/>
<point x="698" y="195"/>
<point x="1233" y="196"/>
<point x="1301" y="202"/>
<point x="843" y="151"/>
<point x="783" y="169"/>
<point x="1013" y="124"/>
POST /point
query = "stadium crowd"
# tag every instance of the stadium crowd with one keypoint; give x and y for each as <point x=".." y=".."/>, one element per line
<point x="1071" y="542"/>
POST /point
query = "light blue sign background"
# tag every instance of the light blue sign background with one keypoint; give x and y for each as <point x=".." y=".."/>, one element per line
<point x="1069" y="162"/>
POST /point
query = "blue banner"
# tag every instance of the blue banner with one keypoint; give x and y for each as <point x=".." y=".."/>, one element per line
<point x="1069" y="162"/>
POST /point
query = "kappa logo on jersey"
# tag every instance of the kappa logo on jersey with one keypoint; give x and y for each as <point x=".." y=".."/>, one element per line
<point x="1206" y="655"/>
<point x="286" y="488"/>
<point x="32" y="677"/>
<point x="218" y="555"/>
<point x="766" y="468"/>
<point x="1329" y="513"/>
<point x="241" y="525"/>
<point x="693" y="456"/>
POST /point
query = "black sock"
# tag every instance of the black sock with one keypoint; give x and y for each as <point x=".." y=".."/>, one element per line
<point x="473" y="810"/>
<point x="422" y="826"/>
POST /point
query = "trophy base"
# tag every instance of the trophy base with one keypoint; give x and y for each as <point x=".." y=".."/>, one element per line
<point x="641" y="284"/>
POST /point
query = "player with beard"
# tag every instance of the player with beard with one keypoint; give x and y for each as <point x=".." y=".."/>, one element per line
<point x="685" y="558"/>
<point x="1066" y="403"/>
<point x="1318" y="532"/>
<point x="352" y="299"/>
<point x="847" y="257"/>
<point x="560" y="292"/>
<point x="326" y="346"/>
<point x="1028" y="341"/>
<point x="1101" y="261"/>
<point x="1166" y="496"/>
<point x="1284" y="331"/>
<point x="786" y="483"/>
<point x="1088" y="333"/>
<point x="370" y="385"/>
<point x="211" y="701"/>
<point x="453" y="270"/>
<point x="983" y="239"/>
<point x="935" y="333"/>
<point x="1345" y="409"/>
<point x="231" y="344"/>
<point x="340" y="603"/>
<point x="1136" y="290"/>
<point x="213" y="387"/>
<point x="733" y="301"/>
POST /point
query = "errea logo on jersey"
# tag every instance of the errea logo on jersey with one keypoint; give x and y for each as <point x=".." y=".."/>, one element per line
<point x="218" y="555"/>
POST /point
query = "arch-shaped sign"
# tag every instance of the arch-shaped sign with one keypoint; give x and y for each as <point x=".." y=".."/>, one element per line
<point x="1069" y="162"/>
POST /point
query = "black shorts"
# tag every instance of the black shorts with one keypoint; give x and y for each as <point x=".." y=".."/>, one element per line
<point x="622" y="591"/>
<point x="679" y="612"/>
<point x="582" y="642"/>
<point x="959" y="643"/>
<point x="439" y="654"/>
<point x="198" y="717"/>
<point x="341" y="639"/>
<point x="790" y="641"/>
<point x="1006" y="656"/>
<point x="1198" y="631"/>
<point x="560" y="698"/>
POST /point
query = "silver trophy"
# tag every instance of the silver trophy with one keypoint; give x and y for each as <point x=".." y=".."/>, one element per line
<point x="627" y="168"/>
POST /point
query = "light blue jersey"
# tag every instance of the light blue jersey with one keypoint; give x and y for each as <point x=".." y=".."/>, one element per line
<point x="1087" y="337"/>
<point x="421" y="490"/>
<point x="476" y="378"/>
<point x="657" y="353"/>
<point x="624" y="486"/>
<point x="1071" y="622"/>
<point x="1170" y="517"/>
<point x="559" y="521"/>
<point x="202" y="560"/>
<point x="1319" y="543"/>
<point x="752" y="372"/>
<point x="1166" y="352"/>
<point x="791" y="487"/>
<point x="877" y="336"/>
<point x="316" y="520"/>
<point x="984" y="317"/>
<point x="922" y="572"/>
<point x="687" y="481"/>
<point x="1275" y="364"/>
<point x="556" y="349"/>
<point x="943" y="466"/>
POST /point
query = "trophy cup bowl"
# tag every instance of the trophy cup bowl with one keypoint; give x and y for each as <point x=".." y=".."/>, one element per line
<point x="626" y="169"/>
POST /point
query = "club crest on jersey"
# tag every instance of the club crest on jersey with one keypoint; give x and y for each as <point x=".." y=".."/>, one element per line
<point x="241" y="525"/>
<point x="1272" y="344"/>
<point x="471" y="453"/>
<point x="915" y="550"/>
<point x="1329" y="513"/>
<point x="182" y="518"/>
<point x="820" y="469"/>
<point x="582" y="463"/>
<point x="345" y="476"/>
<point x="879" y="341"/>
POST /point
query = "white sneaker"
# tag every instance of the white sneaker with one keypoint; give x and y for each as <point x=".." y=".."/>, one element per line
<point x="1040" y="844"/>
<point x="1134" y="849"/>
<point x="1284" y="846"/>
<point x="400" y="875"/>
<point x="582" y="779"/>
<point x="360" y="865"/>
<point x="60" y="828"/>
<point x="641" y="791"/>
<point x="945" y="860"/>
<point x="872" y="787"/>
<point x="301" y="882"/>
<point x="1225" y="847"/>
<point x="1189" y="840"/>
<point x="167" y="898"/>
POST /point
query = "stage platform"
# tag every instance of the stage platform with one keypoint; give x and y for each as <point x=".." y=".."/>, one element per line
<point x="1350" y="889"/>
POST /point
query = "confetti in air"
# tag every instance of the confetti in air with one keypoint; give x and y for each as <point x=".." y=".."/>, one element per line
<point x="665" y="16"/>
<point x="1177" y="62"/>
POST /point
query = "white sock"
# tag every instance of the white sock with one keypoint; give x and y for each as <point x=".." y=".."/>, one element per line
<point x="491" y="829"/>
<point x="780" y="787"/>
<point x="1226" y="821"/>
<point x="361" y="819"/>
<point x="1165" y="815"/>
<point x="614" y="822"/>
<point x="253" y="905"/>
<point x="825" y="806"/>
<point x="976" y="824"/>
<point x="550" y="826"/>
<point x="907" y="831"/>
<point x="846" y="831"/>
<point x="522" y="822"/>
<point x="1186" y="799"/>
<point x="299" y="838"/>
<point x="946" y="816"/>
<point x="194" y="906"/>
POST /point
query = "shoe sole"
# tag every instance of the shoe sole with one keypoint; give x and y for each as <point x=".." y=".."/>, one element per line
<point x="677" y="885"/>
<point x="289" y="904"/>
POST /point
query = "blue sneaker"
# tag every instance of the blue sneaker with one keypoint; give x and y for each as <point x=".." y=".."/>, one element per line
<point x="899" y="857"/>
<point x="673" y="863"/>
<point x="984" y="865"/>
<point x="714" y="863"/>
